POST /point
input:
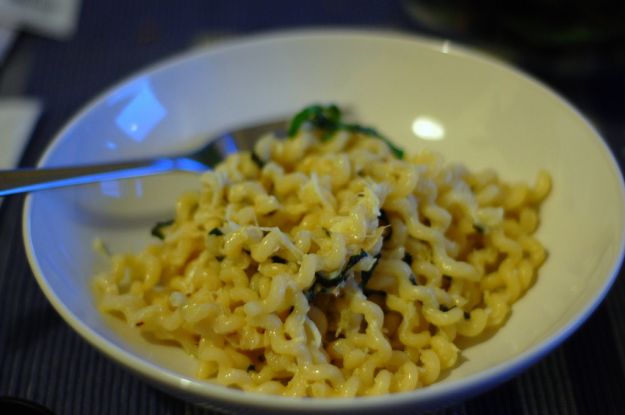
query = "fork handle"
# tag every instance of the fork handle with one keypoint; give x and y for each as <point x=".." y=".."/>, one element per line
<point x="28" y="180"/>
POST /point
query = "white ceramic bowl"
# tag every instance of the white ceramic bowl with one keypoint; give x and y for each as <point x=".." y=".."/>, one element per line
<point x="423" y="93"/>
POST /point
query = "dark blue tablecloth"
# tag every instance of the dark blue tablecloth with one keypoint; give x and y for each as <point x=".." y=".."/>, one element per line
<point x="42" y="359"/>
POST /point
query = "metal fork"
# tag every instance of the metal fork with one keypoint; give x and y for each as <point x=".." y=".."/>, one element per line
<point x="216" y="149"/>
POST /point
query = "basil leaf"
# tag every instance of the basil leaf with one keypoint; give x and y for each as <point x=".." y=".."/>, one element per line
<point x="372" y="132"/>
<point x="257" y="160"/>
<point x="365" y="276"/>
<point x="328" y="282"/>
<point x="157" y="230"/>
<point x="322" y="117"/>
<point x="353" y="260"/>
<point x="216" y="232"/>
<point x="342" y="276"/>
<point x="328" y="119"/>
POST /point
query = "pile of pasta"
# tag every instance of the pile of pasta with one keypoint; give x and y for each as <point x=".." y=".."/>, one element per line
<point x="320" y="267"/>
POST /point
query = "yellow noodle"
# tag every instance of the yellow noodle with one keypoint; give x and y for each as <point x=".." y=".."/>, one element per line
<point x="236" y="280"/>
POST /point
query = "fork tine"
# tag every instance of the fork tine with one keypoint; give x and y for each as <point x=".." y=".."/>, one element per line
<point x="242" y="139"/>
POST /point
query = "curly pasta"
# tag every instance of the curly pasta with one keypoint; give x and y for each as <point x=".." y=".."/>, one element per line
<point x="331" y="268"/>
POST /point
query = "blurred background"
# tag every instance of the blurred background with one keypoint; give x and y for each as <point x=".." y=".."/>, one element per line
<point x="55" y="55"/>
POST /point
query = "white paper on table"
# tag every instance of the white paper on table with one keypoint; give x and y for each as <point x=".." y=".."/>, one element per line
<point x="56" y="18"/>
<point x="18" y="117"/>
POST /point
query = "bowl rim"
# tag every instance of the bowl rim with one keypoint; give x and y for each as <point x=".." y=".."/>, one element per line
<point x="465" y="387"/>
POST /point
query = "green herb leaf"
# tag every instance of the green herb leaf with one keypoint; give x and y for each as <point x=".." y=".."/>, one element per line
<point x="322" y="117"/>
<point x="157" y="230"/>
<point x="479" y="228"/>
<point x="365" y="276"/>
<point x="216" y="232"/>
<point x="336" y="280"/>
<point x="353" y="260"/>
<point x="328" y="119"/>
<point x="257" y="160"/>
<point x="372" y="132"/>
<point x="329" y="281"/>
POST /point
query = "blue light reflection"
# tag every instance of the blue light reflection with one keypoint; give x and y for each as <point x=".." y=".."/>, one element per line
<point x="228" y="145"/>
<point x="143" y="111"/>
<point x="111" y="189"/>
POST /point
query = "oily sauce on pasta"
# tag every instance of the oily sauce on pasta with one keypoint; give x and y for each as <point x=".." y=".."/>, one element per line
<point x="331" y="268"/>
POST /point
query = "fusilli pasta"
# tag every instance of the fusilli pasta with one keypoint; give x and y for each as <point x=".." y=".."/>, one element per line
<point x="326" y="266"/>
